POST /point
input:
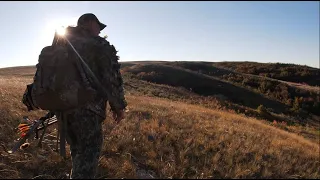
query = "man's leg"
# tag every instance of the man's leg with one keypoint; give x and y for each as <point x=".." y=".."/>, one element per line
<point x="85" y="138"/>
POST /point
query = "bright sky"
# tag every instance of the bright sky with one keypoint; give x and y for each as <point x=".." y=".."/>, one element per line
<point x="286" y="32"/>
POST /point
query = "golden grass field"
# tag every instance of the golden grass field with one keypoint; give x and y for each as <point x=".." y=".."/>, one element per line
<point x="160" y="138"/>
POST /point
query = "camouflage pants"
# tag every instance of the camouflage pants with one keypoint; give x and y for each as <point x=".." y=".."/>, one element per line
<point x="84" y="135"/>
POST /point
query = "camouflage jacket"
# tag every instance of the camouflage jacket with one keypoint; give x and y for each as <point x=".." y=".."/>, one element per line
<point x="102" y="59"/>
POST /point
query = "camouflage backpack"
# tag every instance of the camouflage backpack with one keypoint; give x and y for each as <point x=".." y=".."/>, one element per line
<point x="60" y="82"/>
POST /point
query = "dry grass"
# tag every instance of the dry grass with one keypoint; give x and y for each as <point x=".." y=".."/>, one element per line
<point x="165" y="139"/>
<point x="303" y="86"/>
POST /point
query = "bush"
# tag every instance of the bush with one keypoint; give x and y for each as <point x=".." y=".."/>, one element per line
<point x="262" y="110"/>
<point x="296" y="105"/>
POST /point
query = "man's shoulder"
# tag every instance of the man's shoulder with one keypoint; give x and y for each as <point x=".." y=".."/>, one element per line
<point x="79" y="35"/>
<point x="96" y="42"/>
<point x="101" y="41"/>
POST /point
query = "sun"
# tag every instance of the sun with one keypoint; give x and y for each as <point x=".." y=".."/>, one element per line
<point x="59" y="25"/>
<point x="61" y="30"/>
<point x="55" y="25"/>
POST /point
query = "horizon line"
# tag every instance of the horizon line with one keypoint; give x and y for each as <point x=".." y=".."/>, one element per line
<point x="185" y="61"/>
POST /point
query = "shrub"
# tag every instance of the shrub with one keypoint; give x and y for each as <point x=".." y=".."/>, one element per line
<point x="262" y="110"/>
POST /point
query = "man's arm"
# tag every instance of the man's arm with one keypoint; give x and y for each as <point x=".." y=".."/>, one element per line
<point x="111" y="79"/>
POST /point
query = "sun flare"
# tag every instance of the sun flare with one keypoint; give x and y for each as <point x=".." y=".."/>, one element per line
<point x="56" y="25"/>
<point x="61" y="30"/>
<point x="59" y="25"/>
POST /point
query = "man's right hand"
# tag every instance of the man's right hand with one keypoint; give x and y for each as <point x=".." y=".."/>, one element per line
<point x="118" y="115"/>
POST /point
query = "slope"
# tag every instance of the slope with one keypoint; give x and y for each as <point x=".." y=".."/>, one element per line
<point x="286" y="72"/>
<point x="165" y="139"/>
<point x="244" y="91"/>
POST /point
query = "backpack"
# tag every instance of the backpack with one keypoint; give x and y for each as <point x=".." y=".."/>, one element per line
<point x="27" y="98"/>
<point x="60" y="83"/>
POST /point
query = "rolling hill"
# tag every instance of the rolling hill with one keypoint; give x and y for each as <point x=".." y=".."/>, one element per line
<point x="286" y="72"/>
<point x="184" y="120"/>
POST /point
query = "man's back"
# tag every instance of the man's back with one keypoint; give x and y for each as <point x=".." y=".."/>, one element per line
<point x="102" y="59"/>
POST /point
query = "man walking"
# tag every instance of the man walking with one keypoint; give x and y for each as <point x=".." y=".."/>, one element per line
<point x="83" y="125"/>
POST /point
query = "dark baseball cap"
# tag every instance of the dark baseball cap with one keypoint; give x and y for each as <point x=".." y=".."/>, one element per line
<point x="89" y="16"/>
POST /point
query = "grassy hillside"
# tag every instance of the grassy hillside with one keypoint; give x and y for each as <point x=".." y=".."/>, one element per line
<point x="201" y="84"/>
<point x="298" y="98"/>
<point x="285" y="72"/>
<point x="244" y="91"/>
<point x="307" y="127"/>
<point x="169" y="132"/>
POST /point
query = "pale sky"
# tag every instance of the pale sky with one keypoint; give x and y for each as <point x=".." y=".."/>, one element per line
<point x="286" y="32"/>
